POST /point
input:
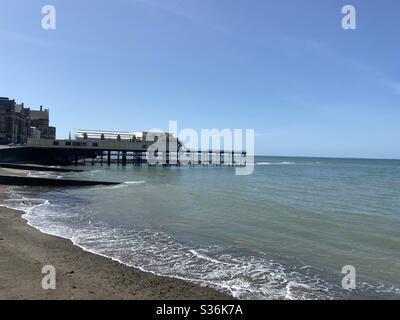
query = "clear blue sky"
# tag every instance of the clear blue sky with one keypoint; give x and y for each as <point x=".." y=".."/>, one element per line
<point x="285" y="68"/>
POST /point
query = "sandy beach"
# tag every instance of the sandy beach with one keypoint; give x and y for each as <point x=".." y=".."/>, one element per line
<point x="79" y="274"/>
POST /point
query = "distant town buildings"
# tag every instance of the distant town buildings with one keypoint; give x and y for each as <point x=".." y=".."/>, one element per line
<point x="18" y="123"/>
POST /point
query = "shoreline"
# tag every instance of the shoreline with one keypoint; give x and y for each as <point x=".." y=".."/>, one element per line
<point x="25" y="250"/>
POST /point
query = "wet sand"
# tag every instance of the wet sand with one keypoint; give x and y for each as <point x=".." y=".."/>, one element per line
<point x="79" y="274"/>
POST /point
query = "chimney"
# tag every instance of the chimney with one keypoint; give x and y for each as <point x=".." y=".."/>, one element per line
<point x="41" y="108"/>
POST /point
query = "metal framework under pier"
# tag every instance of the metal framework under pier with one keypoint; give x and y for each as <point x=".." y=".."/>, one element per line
<point x="191" y="158"/>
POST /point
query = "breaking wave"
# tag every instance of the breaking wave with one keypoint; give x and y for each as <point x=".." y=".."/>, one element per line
<point x="244" y="276"/>
<point x="283" y="163"/>
<point x="135" y="182"/>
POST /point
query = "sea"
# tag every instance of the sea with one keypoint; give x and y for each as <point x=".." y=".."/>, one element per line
<point x="297" y="228"/>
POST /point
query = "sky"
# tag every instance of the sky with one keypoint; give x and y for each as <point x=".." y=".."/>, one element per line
<point x="286" y="69"/>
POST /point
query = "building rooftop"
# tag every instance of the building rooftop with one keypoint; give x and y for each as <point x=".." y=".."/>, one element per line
<point x="36" y="115"/>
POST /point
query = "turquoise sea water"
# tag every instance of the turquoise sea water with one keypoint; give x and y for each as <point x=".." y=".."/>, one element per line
<point x="284" y="232"/>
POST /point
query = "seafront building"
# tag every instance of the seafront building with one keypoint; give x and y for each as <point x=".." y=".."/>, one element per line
<point x="39" y="120"/>
<point x="14" y="124"/>
<point x="18" y="123"/>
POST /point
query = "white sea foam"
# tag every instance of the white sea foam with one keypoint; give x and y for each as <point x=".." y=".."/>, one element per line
<point x="118" y="186"/>
<point x="244" y="276"/>
<point x="205" y="257"/>
<point x="41" y="174"/>
<point x="283" y="163"/>
<point x="135" y="182"/>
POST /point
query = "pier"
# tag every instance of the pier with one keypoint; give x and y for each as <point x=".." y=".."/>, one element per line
<point x="164" y="151"/>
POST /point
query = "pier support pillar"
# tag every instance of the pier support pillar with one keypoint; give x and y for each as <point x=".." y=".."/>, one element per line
<point x="76" y="157"/>
<point x="109" y="158"/>
<point x="167" y="155"/>
<point x="84" y="157"/>
<point x="167" y="158"/>
<point x="124" y="158"/>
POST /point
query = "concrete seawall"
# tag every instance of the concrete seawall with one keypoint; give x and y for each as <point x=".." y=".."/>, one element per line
<point x="31" y="181"/>
<point x="36" y="167"/>
<point x="43" y="156"/>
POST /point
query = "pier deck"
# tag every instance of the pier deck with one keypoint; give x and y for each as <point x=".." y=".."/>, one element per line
<point x="123" y="152"/>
